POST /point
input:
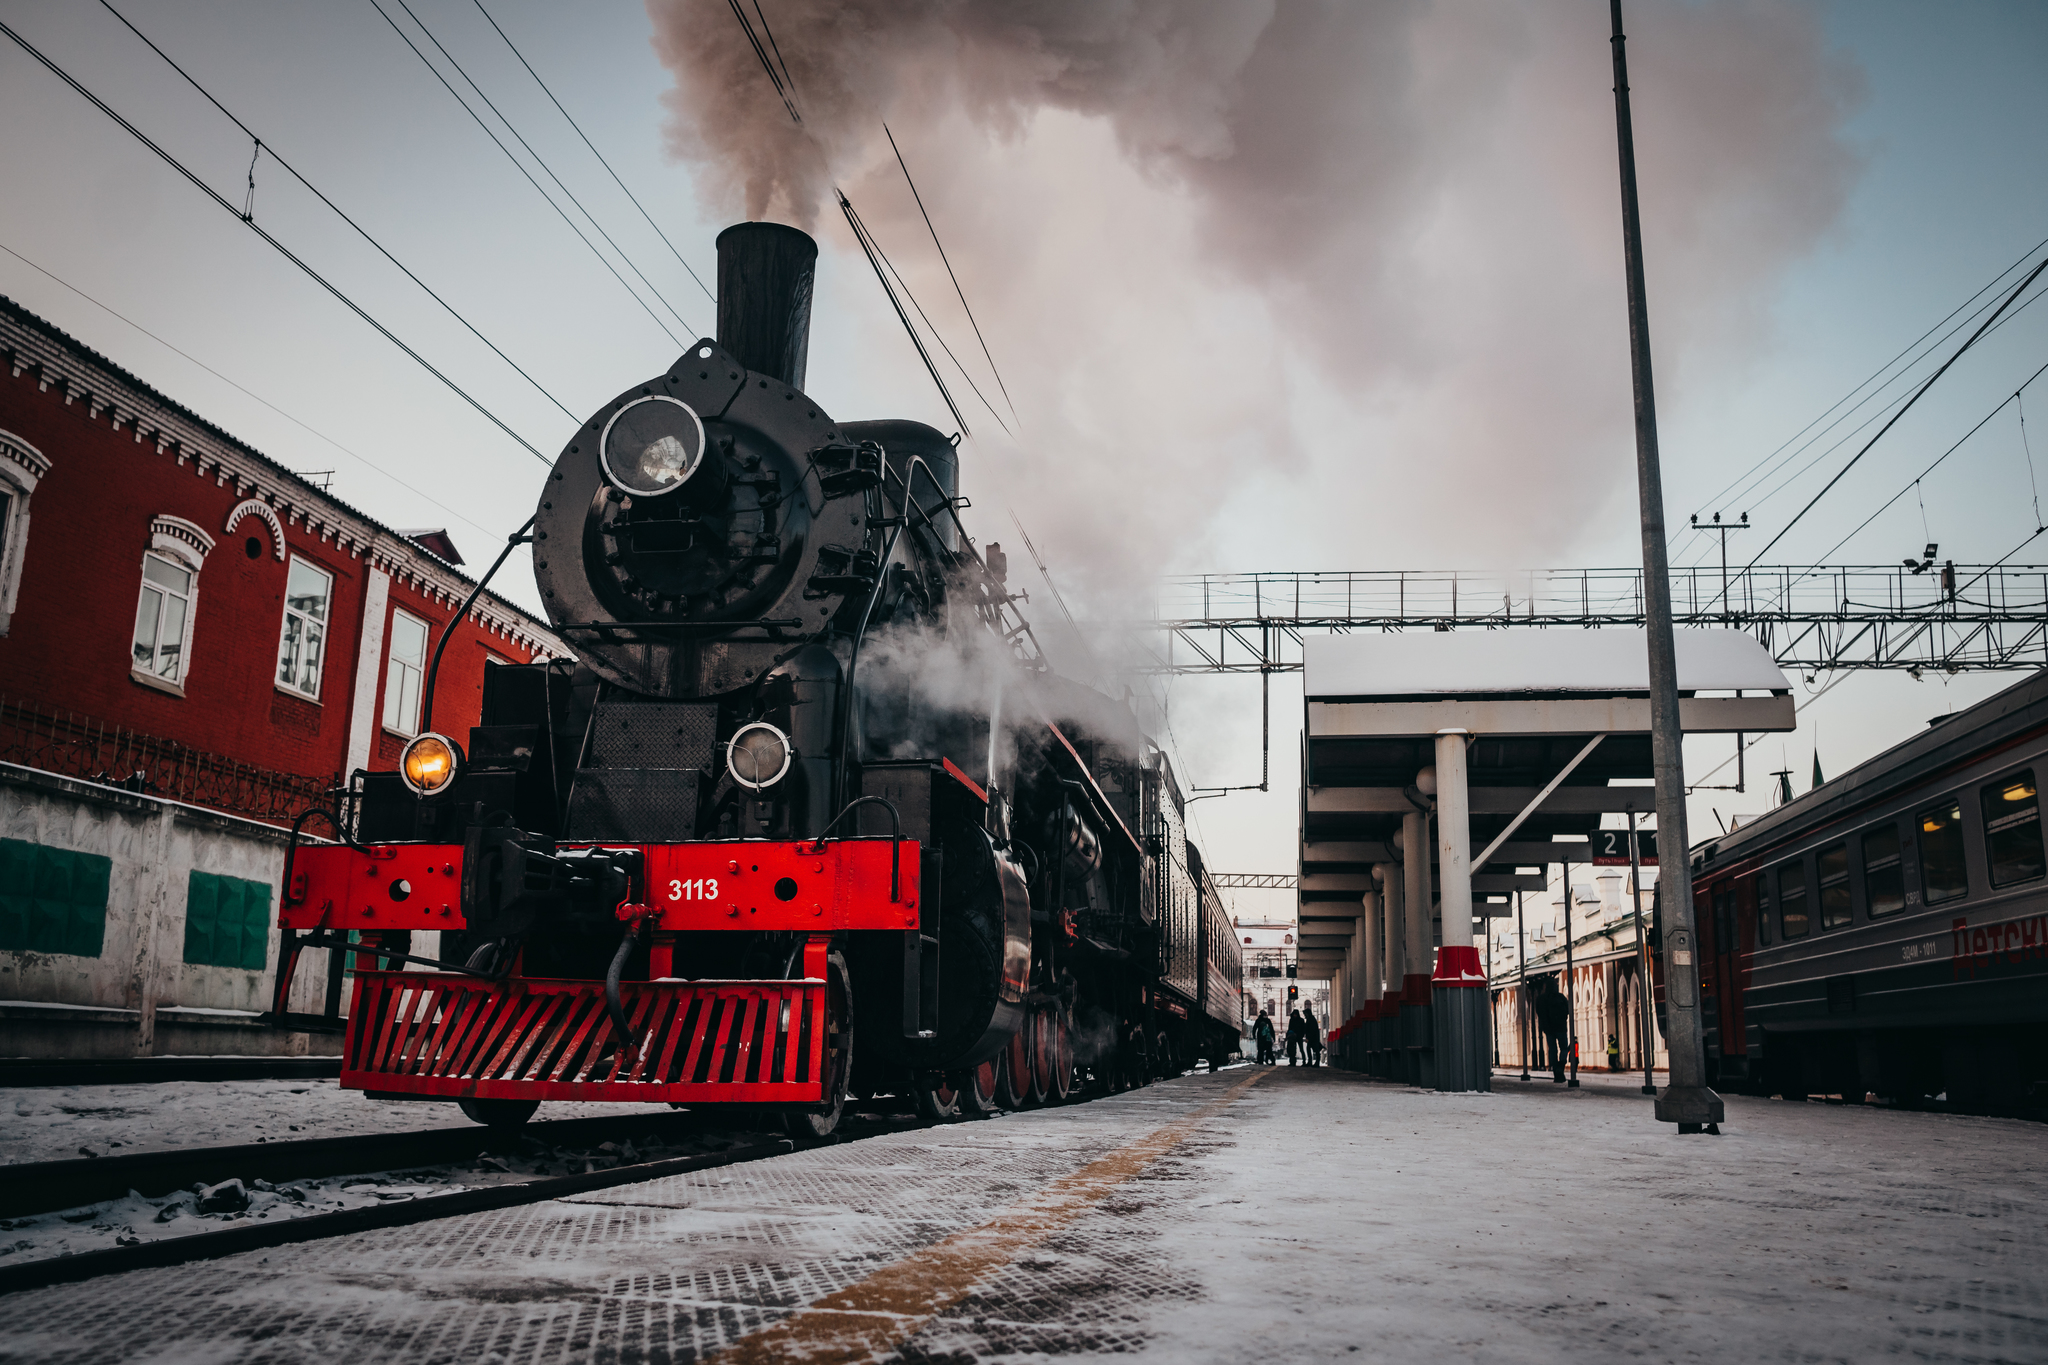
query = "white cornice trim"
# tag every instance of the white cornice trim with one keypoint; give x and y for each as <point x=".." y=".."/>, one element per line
<point x="179" y="531"/>
<point x="30" y="463"/>
<point x="152" y="422"/>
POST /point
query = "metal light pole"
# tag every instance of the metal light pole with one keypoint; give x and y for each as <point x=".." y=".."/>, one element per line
<point x="1635" y="870"/>
<point x="1571" y="1003"/>
<point x="1686" y="1101"/>
<point x="1522" y="985"/>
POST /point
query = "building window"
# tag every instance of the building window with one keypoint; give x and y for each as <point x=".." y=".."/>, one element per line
<point x="1884" y="880"/>
<point x="161" y="618"/>
<point x="1834" y="887"/>
<point x="2012" y="829"/>
<point x="22" y="467"/>
<point x="1942" y="873"/>
<point x="1792" y="921"/>
<point x="307" y="595"/>
<point x="406" y="671"/>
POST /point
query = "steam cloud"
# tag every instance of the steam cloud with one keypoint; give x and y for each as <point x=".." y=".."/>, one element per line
<point x="1303" y="283"/>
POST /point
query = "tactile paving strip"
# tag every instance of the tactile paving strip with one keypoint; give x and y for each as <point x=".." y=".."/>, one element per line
<point x="671" y="1269"/>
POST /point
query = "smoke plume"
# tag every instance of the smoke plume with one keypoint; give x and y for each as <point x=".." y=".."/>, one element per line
<point x="1302" y="283"/>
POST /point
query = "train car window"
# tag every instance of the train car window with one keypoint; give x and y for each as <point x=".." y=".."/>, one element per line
<point x="1884" y="880"/>
<point x="1724" y="919"/>
<point x="1834" y="887"/>
<point x="1943" y="875"/>
<point x="2012" y="829"/>
<point x="1763" y="911"/>
<point x="1792" y="920"/>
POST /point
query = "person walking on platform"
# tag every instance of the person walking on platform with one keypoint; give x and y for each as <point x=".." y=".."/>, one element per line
<point x="1262" y="1035"/>
<point x="1293" y="1037"/>
<point x="1311" y="1037"/>
<point x="1551" y="1012"/>
<point x="1613" y="1053"/>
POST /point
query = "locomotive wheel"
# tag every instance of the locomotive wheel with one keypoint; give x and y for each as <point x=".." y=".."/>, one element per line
<point x="978" y="1091"/>
<point x="1062" y="1061"/>
<point x="937" y="1097"/>
<point x="807" y="1121"/>
<point x="503" y="1115"/>
<point x="1013" y="1087"/>
<point x="1044" y="1055"/>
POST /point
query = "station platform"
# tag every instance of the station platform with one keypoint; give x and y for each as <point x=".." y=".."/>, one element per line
<point x="1253" y="1213"/>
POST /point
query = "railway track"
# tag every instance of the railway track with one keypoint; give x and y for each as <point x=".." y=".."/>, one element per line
<point x="49" y="1186"/>
<point x="18" y="1072"/>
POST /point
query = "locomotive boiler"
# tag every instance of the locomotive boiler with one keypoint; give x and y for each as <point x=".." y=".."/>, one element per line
<point x="804" y="817"/>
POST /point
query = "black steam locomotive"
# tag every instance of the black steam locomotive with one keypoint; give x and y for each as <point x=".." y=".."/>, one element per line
<point x="805" y="817"/>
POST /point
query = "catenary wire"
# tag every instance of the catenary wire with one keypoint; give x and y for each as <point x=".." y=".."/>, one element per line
<point x="314" y="190"/>
<point x="1729" y="490"/>
<point x="310" y="430"/>
<point x="904" y="285"/>
<point x="279" y="246"/>
<point x="599" y="155"/>
<point x="406" y="38"/>
<point x="1908" y="407"/>
<point x="541" y="162"/>
<point x="860" y="235"/>
<point x="1011" y="403"/>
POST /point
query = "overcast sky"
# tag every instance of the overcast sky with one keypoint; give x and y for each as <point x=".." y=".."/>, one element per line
<point x="1272" y="286"/>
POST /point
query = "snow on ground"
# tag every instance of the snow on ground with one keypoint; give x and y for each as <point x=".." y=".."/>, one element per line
<point x="61" y="1122"/>
<point x="1313" y="1216"/>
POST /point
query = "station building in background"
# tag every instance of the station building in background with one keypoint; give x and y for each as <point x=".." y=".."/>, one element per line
<point x="196" y="644"/>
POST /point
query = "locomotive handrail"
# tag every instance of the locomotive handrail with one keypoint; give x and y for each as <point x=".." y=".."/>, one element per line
<point x="895" y="837"/>
<point x="512" y="542"/>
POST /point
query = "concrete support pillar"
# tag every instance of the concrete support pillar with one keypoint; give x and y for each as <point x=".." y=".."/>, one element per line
<point x="1393" y="964"/>
<point x="1417" y="1039"/>
<point x="1458" y="986"/>
<point x="1368" y="941"/>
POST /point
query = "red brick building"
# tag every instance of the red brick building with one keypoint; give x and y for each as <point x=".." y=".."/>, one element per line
<point x="183" y="614"/>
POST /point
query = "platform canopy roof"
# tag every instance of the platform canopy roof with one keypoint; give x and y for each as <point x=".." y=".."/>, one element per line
<point x="1532" y="700"/>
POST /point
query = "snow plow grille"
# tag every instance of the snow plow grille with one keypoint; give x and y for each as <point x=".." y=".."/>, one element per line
<point x="422" y="1033"/>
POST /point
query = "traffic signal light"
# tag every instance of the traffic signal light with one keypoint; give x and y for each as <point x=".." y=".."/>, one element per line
<point x="1293" y="994"/>
<point x="1292" y="969"/>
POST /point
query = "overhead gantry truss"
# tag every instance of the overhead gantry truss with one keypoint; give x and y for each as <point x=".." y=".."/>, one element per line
<point x="1949" y="618"/>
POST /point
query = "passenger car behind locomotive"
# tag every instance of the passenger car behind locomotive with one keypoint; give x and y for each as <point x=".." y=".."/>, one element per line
<point x="805" y="816"/>
<point x="1887" y="932"/>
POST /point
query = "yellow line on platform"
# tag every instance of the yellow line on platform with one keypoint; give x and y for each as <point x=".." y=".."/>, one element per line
<point x="878" y="1314"/>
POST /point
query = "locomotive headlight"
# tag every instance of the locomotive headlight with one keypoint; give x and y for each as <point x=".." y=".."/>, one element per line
<point x="758" y="756"/>
<point x="429" y="764"/>
<point x="652" y="446"/>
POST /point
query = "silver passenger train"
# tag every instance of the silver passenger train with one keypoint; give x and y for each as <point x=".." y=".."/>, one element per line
<point x="1887" y="933"/>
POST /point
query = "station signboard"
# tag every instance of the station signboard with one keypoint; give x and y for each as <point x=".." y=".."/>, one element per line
<point x="1610" y="847"/>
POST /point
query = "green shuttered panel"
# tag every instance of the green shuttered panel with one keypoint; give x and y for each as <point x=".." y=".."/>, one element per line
<point x="52" y="900"/>
<point x="227" y="922"/>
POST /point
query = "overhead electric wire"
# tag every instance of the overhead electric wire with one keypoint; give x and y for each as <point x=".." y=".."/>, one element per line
<point x="1739" y="480"/>
<point x="314" y="190"/>
<point x="938" y="336"/>
<point x="541" y="162"/>
<point x="280" y="247"/>
<point x="406" y="38"/>
<point x="599" y="155"/>
<point x="774" y="77"/>
<point x="860" y="235"/>
<point x="1850" y="435"/>
<point x="951" y="276"/>
<point x="257" y="397"/>
<point x="1908" y="407"/>
<point x="1915" y="480"/>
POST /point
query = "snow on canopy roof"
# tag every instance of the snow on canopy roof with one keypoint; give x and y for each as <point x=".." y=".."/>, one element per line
<point x="1607" y="662"/>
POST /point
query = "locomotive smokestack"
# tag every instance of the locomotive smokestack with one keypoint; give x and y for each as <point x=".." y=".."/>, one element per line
<point x="764" y="297"/>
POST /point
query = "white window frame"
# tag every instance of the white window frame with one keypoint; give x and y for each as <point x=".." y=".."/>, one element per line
<point x="324" y="624"/>
<point x="182" y="545"/>
<point x="22" y="467"/>
<point x="395" y="670"/>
